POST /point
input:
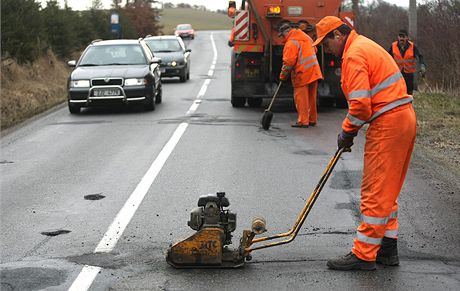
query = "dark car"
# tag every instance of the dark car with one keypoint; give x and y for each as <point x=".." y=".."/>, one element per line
<point x="175" y="58"/>
<point x="185" y="31"/>
<point x="115" y="72"/>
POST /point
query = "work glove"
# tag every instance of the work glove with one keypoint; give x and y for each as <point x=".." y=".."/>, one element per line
<point x="230" y="43"/>
<point x="283" y="77"/>
<point x="345" y="140"/>
<point x="422" y="70"/>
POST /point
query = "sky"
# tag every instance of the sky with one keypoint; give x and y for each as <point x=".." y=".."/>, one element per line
<point x="210" y="4"/>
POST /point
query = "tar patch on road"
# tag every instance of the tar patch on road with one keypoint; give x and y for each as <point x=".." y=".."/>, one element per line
<point x="82" y="122"/>
<point x="6" y="162"/>
<point x="310" y="153"/>
<point x="31" y="278"/>
<point x="103" y="260"/>
<point x="346" y="180"/>
<point x="55" y="232"/>
<point x="97" y="196"/>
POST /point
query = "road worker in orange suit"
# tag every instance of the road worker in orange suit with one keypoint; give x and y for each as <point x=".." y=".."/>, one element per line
<point x="376" y="94"/>
<point x="299" y="61"/>
<point x="406" y="55"/>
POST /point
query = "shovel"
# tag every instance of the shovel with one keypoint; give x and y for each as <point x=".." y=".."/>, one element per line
<point x="268" y="115"/>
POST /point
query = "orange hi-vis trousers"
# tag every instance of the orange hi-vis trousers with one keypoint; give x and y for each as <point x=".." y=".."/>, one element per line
<point x="305" y="102"/>
<point x="389" y="143"/>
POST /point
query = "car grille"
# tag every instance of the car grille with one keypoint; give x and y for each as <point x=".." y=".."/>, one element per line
<point x="105" y="82"/>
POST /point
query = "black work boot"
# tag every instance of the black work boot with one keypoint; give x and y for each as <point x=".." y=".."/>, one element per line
<point x="350" y="262"/>
<point x="388" y="253"/>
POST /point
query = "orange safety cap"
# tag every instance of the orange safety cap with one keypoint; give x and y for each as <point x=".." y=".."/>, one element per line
<point x="326" y="25"/>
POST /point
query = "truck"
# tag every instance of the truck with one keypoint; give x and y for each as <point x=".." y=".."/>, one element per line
<point x="257" y="50"/>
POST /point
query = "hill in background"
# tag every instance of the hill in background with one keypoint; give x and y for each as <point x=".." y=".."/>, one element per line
<point x="200" y="20"/>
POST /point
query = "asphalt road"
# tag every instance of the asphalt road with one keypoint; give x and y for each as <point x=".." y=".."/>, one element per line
<point x="195" y="143"/>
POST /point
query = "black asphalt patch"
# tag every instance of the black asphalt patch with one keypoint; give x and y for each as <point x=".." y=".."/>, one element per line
<point x="346" y="180"/>
<point x="103" y="260"/>
<point x="97" y="196"/>
<point x="6" y="162"/>
<point x="31" y="278"/>
<point x="55" y="232"/>
<point x="311" y="153"/>
<point x="82" y="122"/>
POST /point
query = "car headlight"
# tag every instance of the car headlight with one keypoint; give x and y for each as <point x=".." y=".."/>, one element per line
<point x="79" y="84"/>
<point x="135" y="82"/>
<point x="173" y="63"/>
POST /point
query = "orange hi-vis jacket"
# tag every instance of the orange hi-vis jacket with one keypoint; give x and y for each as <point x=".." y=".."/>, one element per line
<point x="408" y="62"/>
<point x="371" y="81"/>
<point x="299" y="59"/>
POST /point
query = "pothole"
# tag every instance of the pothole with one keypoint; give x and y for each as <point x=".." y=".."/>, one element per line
<point x="97" y="196"/>
<point x="55" y="232"/>
<point x="31" y="278"/>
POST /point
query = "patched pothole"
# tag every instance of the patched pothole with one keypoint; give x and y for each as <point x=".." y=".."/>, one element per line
<point x="31" y="278"/>
<point x="55" y="232"/>
<point x="97" y="196"/>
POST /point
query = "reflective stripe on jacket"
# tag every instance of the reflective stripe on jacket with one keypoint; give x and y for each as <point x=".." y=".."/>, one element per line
<point x="299" y="59"/>
<point x="408" y="62"/>
<point x="371" y="81"/>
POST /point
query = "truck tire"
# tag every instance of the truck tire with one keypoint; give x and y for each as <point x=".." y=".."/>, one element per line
<point x="254" y="102"/>
<point x="238" y="101"/>
<point x="341" y="102"/>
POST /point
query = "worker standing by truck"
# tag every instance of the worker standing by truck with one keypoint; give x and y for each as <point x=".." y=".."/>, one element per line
<point x="377" y="95"/>
<point x="299" y="61"/>
<point x="406" y="55"/>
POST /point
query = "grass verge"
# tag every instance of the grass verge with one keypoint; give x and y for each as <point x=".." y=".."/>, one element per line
<point x="438" y="127"/>
<point x="27" y="90"/>
<point x="200" y="20"/>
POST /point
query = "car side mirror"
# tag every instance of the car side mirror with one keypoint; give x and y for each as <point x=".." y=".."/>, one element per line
<point x="188" y="50"/>
<point x="156" y="60"/>
<point x="72" y="63"/>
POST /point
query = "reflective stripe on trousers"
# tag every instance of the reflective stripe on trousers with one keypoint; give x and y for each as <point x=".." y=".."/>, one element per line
<point x="389" y="143"/>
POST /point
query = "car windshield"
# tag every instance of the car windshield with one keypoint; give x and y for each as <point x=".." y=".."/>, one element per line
<point x="107" y="55"/>
<point x="164" y="45"/>
<point x="184" y="27"/>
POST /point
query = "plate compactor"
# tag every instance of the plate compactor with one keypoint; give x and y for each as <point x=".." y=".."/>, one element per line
<point x="214" y="224"/>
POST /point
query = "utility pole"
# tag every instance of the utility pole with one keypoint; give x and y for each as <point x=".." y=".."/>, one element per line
<point x="413" y="19"/>
<point x="355" y="8"/>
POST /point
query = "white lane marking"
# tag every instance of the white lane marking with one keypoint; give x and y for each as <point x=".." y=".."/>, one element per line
<point x="85" y="278"/>
<point x="114" y="232"/>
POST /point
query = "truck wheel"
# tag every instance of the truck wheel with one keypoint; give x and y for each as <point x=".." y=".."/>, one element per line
<point x="326" y="102"/>
<point x="183" y="76"/>
<point x="238" y="101"/>
<point x="254" y="102"/>
<point x="341" y="102"/>
<point x="74" y="109"/>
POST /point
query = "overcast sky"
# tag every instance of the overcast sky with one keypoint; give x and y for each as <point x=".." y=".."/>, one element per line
<point x="210" y="4"/>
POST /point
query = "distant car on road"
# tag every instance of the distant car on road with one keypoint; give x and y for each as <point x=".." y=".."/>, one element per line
<point x="115" y="72"/>
<point x="175" y="57"/>
<point x="185" y="31"/>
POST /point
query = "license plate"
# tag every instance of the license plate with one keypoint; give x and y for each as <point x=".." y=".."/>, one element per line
<point x="251" y="73"/>
<point x="162" y="70"/>
<point x="106" y="92"/>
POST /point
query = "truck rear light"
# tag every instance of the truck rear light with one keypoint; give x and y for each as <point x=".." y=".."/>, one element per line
<point x="331" y="63"/>
<point x="252" y="62"/>
<point x="238" y="76"/>
<point x="273" y="11"/>
<point x="237" y="65"/>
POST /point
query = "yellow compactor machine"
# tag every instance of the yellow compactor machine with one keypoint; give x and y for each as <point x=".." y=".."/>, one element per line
<point x="214" y="224"/>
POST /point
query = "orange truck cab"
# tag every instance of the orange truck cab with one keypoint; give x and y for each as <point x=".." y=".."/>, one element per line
<point x="257" y="53"/>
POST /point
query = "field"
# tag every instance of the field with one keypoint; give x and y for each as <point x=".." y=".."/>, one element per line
<point x="200" y="20"/>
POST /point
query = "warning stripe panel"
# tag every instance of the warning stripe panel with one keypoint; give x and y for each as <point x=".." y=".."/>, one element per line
<point x="241" y="26"/>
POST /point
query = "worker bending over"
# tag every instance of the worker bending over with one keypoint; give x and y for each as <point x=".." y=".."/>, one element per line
<point x="299" y="61"/>
<point x="377" y="95"/>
